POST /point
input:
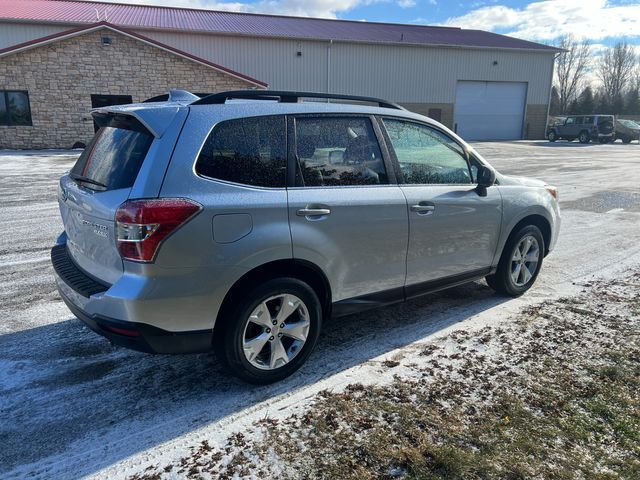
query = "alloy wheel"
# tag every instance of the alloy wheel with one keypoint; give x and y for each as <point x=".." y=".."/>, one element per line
<point x="276" y="331"/>
<point x="524" y="260"/>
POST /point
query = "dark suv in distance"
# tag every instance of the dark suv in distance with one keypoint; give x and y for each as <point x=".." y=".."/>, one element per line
<point x="240" y="221"/>
<point x="586" y="128"/>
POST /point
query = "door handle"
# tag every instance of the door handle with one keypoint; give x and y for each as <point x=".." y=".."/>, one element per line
<point x="313" y="212"/>
<point x="422" y="209"/>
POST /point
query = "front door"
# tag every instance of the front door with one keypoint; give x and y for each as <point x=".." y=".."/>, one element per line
<point x="345" y="213"/>
<point x="453" y="226"/>
<point x="98" y="101"/>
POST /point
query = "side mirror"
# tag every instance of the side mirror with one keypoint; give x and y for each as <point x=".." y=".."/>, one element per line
<point x="486" y="176"/>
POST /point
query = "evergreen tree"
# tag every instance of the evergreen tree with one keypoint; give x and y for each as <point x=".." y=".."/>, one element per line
<point x="586" y="102"/>
<point x="574" y="107"/>
<point x="632" y="101"/>
<point x="617" y="105"/>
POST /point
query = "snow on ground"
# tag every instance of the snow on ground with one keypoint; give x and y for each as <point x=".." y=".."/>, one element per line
<point x="71" y="405"/>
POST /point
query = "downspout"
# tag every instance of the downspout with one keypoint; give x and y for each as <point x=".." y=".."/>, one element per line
<point x="553" y="68"/>
<point x="329" y="67"/>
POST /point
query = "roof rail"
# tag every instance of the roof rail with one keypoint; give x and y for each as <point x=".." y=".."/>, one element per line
<point x="287" y="97"/>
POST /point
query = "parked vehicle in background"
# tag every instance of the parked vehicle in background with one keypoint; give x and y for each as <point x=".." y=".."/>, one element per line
<point x="627" y="130"/>
<point x="241" y="220"/>
<point x="585" y="128"/>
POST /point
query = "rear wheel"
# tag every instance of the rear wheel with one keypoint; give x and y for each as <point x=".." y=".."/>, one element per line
<point x="626" y="139"/>
<point x="584" y="137"/>
<point x="520" y="262"/>
<point x="271" y="332"/>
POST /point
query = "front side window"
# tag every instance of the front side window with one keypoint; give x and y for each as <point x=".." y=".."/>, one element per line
<point x="14" y="108"/>
<point x="425" y="155"/>
<point x="338" y="151"/>
<point x="250" y="151"/>
<point x="570" y="121"/>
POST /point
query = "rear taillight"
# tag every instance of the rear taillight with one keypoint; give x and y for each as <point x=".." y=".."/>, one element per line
<point x="142" y="225"/>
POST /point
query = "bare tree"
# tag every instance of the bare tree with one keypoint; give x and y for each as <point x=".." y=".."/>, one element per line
<point x="616" y="69"/>
<point x="571" y="66"/>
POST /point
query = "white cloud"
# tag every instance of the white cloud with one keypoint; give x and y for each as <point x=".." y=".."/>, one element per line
<point x="549" y="19"/>
<point x="406" y="3"/>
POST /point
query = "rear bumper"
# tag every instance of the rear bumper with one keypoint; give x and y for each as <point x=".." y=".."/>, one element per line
<point x="76" y="289"/>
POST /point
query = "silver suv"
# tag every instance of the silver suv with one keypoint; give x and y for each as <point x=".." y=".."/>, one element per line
<point x="239" y="221"/>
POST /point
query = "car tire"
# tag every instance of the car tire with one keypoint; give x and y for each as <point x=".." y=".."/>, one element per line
<point x="584" y="137"/>
<point x="552" y="136"/>
<point x="253" y="348"/>
<point x="626" y="139"/>
<point x="511" y="279"/>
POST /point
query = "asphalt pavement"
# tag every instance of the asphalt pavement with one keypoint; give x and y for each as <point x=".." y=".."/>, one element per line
<point x="72" y="404"/>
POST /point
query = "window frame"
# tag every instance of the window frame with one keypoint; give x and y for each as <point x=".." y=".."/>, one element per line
<point x="292" y="164"/>
<point x="211" y="131"/>
<point x="396" y="162"/>
<point x="6" y="102"/>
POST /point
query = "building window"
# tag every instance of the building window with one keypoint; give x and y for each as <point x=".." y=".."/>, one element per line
<point x="14" y="108"/>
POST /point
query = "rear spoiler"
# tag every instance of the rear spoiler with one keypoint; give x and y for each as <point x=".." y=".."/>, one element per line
<point x="156" y="118"/>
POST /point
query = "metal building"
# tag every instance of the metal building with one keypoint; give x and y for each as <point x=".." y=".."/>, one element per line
<point x="481" y="84"/>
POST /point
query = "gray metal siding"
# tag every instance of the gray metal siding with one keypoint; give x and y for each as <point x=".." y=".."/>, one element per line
<point x="405" y="74"/>
<point x="15" y="33"/>
<point x="410" y="74"/>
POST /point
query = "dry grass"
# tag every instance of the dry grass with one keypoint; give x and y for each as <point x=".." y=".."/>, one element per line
<point x="555" y="394"/>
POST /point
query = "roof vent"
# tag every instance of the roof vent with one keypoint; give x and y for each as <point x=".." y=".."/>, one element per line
<point x="106" y="41"/>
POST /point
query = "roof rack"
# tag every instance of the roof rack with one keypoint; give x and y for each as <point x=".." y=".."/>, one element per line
<point x="288" y="97"/>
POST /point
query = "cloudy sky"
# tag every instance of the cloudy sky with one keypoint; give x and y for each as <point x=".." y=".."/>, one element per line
<point x="603" y="22"/>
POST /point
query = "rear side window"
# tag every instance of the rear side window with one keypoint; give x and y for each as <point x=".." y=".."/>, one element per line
<point x="114" y="156"/>
<point x="250" y="151"/>
<point x="338" y="152"/>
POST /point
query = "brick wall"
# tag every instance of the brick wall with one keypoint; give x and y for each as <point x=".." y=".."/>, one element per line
<point x="61" y="76"/>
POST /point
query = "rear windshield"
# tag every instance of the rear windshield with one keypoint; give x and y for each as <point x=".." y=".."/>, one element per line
<point x="605" y="119"/>
<point x="114" y="156"/>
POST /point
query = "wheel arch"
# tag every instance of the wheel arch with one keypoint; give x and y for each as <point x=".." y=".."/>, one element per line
<point x="539" y="221"/>
<point x="295" y="268"/>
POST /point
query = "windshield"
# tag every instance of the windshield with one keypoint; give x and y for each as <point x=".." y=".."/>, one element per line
<point x="114" y="156"/>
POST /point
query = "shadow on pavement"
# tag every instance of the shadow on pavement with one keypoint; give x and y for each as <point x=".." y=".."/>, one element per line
<point x="69" y="397"/>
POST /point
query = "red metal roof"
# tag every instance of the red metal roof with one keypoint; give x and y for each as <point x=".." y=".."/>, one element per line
<point x="93" y="26"/>
<point x="210" y="21"/>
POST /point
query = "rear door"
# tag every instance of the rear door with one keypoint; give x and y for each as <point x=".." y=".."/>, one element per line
<point x="453" y="226"/>
<point x="95" y="187"/>
<point x="346" y="213"/>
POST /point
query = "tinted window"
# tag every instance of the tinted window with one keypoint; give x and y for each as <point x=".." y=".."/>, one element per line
<point x="14" y="108"/>
<point x="338" y="151"/>
<point x="251" y="151"/>
<point x="114" y="155"/>
<point x="570" y="121"/>
<point x="425" y="155"/>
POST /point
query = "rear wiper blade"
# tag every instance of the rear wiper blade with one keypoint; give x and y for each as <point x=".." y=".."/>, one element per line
<point x="82" y="178"/>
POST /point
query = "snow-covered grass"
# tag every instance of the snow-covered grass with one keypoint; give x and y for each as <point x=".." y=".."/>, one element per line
<point x="551" y="394"/>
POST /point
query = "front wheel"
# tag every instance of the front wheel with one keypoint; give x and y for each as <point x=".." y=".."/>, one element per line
<point x="520" y="262"/>
<point x="552" y="136"/>
<point x="271" y="332"/>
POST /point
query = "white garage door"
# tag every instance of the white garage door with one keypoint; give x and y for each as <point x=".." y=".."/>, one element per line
<point x="490" y="110"/>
